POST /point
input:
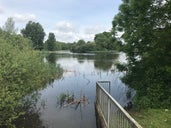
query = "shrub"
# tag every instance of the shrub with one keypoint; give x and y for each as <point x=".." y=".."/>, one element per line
<point x="22" y="72"/>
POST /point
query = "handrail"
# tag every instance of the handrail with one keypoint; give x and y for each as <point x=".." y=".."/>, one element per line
<point x="115" y="116"/>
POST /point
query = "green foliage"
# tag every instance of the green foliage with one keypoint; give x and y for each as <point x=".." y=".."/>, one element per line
<point x="35" y="32"/>
<point x="102" y="42"/>
<point x="22" y="72"/>
<point x="153" y="118"/>
<point x="9" y="26"/>
<point x="63" y="46"/>
<point x="81" y="47"/>
<point x="50" y="43"/>
<point x="146" y="29"/>
<point x="105" y="41"/>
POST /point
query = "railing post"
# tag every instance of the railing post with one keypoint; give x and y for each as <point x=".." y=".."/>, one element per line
<point x="109" y="87"/>
<point x="109" y="107"/>
<point x="108" y="117"/>
<point x="97" y="93"/>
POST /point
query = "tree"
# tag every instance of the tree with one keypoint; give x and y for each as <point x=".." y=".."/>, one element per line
<point x="81" y="42"/>
<point x="22" y="74"/>
<point x="10" y="26"/>
<point x="35" y="32"/>
<point x="105" y="41"/>
<point x="50" y="43"/>
<point x="146" y="27"/>
<point x="82" y="47"/>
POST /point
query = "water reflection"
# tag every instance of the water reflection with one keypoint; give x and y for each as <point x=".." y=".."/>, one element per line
<point x="51" y="58"/>
<point x="102" y="61"/>
<point x="30" y="120"/>
<point x="81" y="72"/>
<point x="32" y="117"/>
<point x="105" y="61"/>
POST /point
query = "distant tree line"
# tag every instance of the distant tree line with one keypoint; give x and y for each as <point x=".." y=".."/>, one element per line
<point x="102" y="42"/>
<point x="35" y="32"/>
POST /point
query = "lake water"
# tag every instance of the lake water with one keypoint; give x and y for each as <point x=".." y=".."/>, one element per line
<point x="81" y="72"/>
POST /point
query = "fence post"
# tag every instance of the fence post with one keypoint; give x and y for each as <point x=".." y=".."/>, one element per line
<point x="108" y="113"/>
<point x="97" y="93"/>
<point x="108" y="117"/>
<point x="109" y="87"/>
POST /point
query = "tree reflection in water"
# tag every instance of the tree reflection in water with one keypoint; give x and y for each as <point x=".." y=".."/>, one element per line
<point x="104" y="61"/>
<point x="31" y="119"/>
<point x="51" y="58"/>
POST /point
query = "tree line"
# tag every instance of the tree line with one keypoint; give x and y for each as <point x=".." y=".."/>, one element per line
<point x="34" y="31"/>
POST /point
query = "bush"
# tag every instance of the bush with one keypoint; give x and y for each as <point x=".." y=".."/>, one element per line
<point x="22" y="72"/>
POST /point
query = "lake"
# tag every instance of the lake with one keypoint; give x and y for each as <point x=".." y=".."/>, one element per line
<point x="81" y="72"/>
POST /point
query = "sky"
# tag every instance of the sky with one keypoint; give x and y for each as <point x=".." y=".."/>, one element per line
<point x="69" y="20"/>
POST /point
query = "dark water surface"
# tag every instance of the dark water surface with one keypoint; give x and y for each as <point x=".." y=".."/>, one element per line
<point x="81" y="72"/>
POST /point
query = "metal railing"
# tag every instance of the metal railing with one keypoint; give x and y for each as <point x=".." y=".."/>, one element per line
<point x="114" y="115"/>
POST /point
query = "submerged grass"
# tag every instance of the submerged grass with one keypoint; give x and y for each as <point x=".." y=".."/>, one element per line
<point x="153" y="118"/>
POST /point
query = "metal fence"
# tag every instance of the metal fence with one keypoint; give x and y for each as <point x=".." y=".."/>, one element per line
<point x="114" y="116"/>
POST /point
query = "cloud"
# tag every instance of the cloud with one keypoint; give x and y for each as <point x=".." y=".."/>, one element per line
<point x="1" y="10"/>
<point x="67" y="32"/>
<point x="24" y="17"/>
<point x="65" y="26"/>
<point x="65" y="37"/>
<point x="94" y="29"/>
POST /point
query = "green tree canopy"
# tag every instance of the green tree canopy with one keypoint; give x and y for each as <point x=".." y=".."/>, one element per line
<point x="35" y="32"/>
<point x="50" y="43"/>
<point x="10" y="26"/>
<point x="81" y="42"/>
<point x="105" y="41"/>
<point x="146" y="27"/>
<point x="81" y="46"/>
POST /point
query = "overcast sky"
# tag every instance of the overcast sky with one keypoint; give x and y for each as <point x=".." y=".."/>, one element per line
<point x="70" y="20"/>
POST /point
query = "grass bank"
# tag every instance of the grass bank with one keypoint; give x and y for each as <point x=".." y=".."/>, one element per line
<point x="153" y="118"/>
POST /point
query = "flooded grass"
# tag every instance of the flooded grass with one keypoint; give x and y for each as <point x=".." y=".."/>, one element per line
<point x="67" y="100"/>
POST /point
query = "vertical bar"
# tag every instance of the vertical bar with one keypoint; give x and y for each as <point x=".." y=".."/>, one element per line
<point x="109" y="107"/>
<point x="100" y="99"/>
<point x="109" y="87"/>
<point x="122" y="120"/>
<point x="97" y="94"/>
<point x="108" y="113"/>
